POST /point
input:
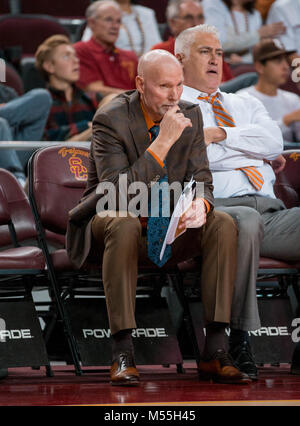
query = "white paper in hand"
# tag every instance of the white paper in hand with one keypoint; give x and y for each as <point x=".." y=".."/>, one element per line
<point x="183" y="204"/>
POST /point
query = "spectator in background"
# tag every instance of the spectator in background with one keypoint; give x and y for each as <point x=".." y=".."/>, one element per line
<point x="22" y="118"/>
<point x="139" y="29"/>
<point x="103" y="67"/>
<point x="72" y="110"/>
<point x="288" y="12"/>
<point x="263" y="6"/>
<point x="240" y="27"/>
<point x="273" y="69"/>
<point x="183" y="14"/>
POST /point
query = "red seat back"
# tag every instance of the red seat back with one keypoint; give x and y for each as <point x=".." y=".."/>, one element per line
<point x="58" y="180"/>
<point x="287" y="185"/>
<point x="28" y="31"/>
<point x="19" y="210"/>
<point x="4" y="212"/>
<point x="13" y="79"/>
<point x="63" y="8"/>
<point x="4" y="7"/>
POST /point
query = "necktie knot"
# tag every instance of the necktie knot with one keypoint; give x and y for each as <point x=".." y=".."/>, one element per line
<point x="154" y="131"/>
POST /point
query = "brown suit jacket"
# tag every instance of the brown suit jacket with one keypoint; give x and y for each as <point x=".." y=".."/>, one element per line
<point x="119" y="146"/>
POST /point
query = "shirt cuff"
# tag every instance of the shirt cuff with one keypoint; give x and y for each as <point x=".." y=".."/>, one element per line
<point x="207" y="205"/>
<point x="161" y="163"/>
<point x="232" y="136"/>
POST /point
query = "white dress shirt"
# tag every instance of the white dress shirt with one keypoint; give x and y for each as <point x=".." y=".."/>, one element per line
<point x="255" y="138"/>
<point x="288" y="12"/>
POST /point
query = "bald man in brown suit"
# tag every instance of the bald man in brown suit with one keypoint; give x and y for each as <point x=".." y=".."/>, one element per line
<point x="122" y="145"/>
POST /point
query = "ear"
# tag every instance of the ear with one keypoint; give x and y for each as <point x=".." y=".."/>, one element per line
<point x="48" y="67"/>
<point x="91" y="23"/>
<point x="139" y="82"/>
<point x="259" y="67"/>
<point x="180" y="57"/>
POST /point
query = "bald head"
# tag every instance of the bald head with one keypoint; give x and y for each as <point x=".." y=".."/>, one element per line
<point x="159" y="82"/>
<point x="155" y="60"/>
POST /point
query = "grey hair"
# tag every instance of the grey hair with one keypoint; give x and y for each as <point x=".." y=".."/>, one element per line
<point x="173" y="7"/>
<point x="185" y="39"/>
<point x="92" y="9"/>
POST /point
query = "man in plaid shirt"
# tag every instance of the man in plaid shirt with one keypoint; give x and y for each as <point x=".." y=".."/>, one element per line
<point x="72" y="109"/>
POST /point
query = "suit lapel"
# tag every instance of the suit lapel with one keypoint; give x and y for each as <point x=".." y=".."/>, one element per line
<point x="137" y="124"/>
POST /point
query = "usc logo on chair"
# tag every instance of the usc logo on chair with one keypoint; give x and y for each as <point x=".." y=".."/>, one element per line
<point x="75" y="162"/>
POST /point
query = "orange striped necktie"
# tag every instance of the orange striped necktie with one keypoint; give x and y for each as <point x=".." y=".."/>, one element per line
<point x="224" y="119"/>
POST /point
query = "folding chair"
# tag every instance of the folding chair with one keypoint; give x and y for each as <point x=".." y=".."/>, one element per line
<point x="57" y="179"/>
<point x="287" y="185"/>
<point x="22" y="268"/>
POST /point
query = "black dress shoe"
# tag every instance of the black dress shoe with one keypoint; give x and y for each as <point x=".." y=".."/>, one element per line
<point x="123" y="371"/>
<point x="295" y="367"/>
<point x="244" y="360"/>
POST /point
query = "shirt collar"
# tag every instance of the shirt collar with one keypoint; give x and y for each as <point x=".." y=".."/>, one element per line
<point x="191" y="93"/>
<point x="61" y="94"/>
<point x="149" y="122"/>
<point x="96" y="44"/>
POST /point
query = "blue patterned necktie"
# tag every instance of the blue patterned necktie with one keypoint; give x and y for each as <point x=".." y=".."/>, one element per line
<point x="157" y="226"/>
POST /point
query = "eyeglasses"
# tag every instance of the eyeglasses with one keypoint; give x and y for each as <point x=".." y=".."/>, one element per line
<point x="109" y="20"/>
<point x="191" y="18"/>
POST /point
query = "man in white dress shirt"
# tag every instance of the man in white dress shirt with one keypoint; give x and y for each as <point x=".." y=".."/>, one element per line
<point x="239" y="134"/>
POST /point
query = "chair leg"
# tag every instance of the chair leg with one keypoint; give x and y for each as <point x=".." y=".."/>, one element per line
<point x="187" y="316"/>
<point x="66" y="323"/>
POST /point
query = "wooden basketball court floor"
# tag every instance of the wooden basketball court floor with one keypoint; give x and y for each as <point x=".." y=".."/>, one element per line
<point x="160" y="387"/>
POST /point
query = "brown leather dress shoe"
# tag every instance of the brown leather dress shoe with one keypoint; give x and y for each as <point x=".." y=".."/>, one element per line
<point x="221" y="369"/>
<point x="123" y="371"/>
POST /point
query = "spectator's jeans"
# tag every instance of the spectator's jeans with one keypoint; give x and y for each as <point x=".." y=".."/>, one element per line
<point x="27" y="116"/>
<point x="9" y="159"/>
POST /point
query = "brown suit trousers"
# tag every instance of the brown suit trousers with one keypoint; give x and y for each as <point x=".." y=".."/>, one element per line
<point x="121" y="244"/>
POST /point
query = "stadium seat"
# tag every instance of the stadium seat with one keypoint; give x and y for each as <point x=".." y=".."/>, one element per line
<point x="4" y="7"/>
<point x="22" y="268"/>
<point x="287" y="185"/>
<point x="66" y="8"/>
<point x="31" y="31"/>
<point x="13" y="79"/>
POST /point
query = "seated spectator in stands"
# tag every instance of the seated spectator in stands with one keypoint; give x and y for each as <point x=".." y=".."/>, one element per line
<point x="240" y="27"/>
<point x="103" y="67"/>
<point x="263" y="6"/>
<point x="22" y="118"/>
<point x="183" y="14"/>
<point x="72" y="110"/>
<point x="288" y="12"/>
<point x="139" y="29"/>
<point x="273" y="70"/>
